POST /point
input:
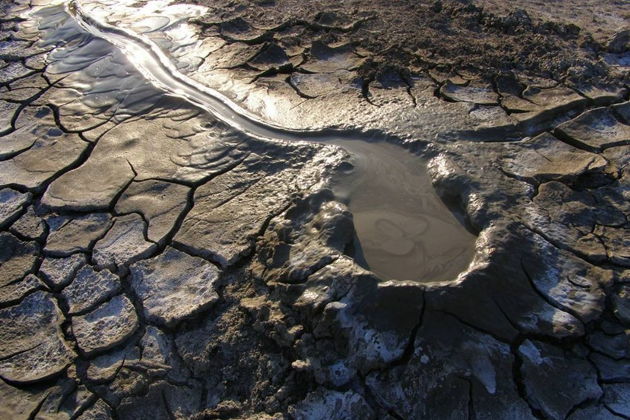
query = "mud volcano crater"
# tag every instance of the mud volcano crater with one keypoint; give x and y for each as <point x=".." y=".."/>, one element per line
<point x="404" y="231"/>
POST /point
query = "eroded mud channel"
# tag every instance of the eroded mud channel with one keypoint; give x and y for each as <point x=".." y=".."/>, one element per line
<point x="403" y="230"/>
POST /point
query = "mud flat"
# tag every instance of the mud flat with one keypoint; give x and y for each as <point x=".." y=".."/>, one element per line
<point x="213" y="212"/>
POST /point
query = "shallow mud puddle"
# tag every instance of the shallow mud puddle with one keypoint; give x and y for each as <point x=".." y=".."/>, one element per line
<point x="404" y="231"/>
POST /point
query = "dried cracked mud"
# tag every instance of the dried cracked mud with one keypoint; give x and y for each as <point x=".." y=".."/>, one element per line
<point x="283" y="209"/>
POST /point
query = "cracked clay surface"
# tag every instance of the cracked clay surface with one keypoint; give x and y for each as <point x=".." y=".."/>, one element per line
<point x="159" y="260"/>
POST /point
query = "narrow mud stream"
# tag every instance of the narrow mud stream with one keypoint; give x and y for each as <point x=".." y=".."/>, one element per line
<point x="404" y="230"/>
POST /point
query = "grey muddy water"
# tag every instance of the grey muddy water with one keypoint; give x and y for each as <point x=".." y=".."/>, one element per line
<point x="404" y="231"/>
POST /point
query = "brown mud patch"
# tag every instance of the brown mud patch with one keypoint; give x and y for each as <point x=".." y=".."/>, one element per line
<point x="554" y="41"/>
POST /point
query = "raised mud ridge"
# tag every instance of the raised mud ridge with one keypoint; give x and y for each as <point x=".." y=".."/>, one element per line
<point x="404" y="231"/>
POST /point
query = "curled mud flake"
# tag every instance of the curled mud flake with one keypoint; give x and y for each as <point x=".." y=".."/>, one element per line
<point x="17" y="258"/>
<point x="30" y="226"/>
<point x="105" y="327"/>
<point x="159" y="353"/>
<point x="12" y="203"/>
<point x="15" y="292"/>
<point x="552" y="97"/>
<point x="67" y="398"/>
<point x="105" y="368"/>
<point x="124" y="243"/>
<point x="26" y="90"/>
<point x="517" y="105"/>
<point x="71" y="235"/>
<point x="616" y="242"/>
<point x="595" y="130"/>
<point x="58" y="272"/>
<point x="163" y="400"/>
<point x="545" y="157"/>
<point x="230" y="56"/>
<point x="617" y="398"/>
<point x="98" y="411"/>
<point x="31" y="124"/>
<point x="33" y="348"/>
<point x="602" y="95"/>
<point x="89" y="288"/>
<point x="615" y="345"/>
<point x="481" y="95"/>
<point x="623" y="111"/>
<point x="174" y="286"/>
<point x="272" y="56"/>
<point x="327" y="59"/>
<point x="320" y="84"/>
<point x="18" y="403"/>
<point x="239" y="29"/>
<point x="14" y="71"/>
<point x="609" y="369"/>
